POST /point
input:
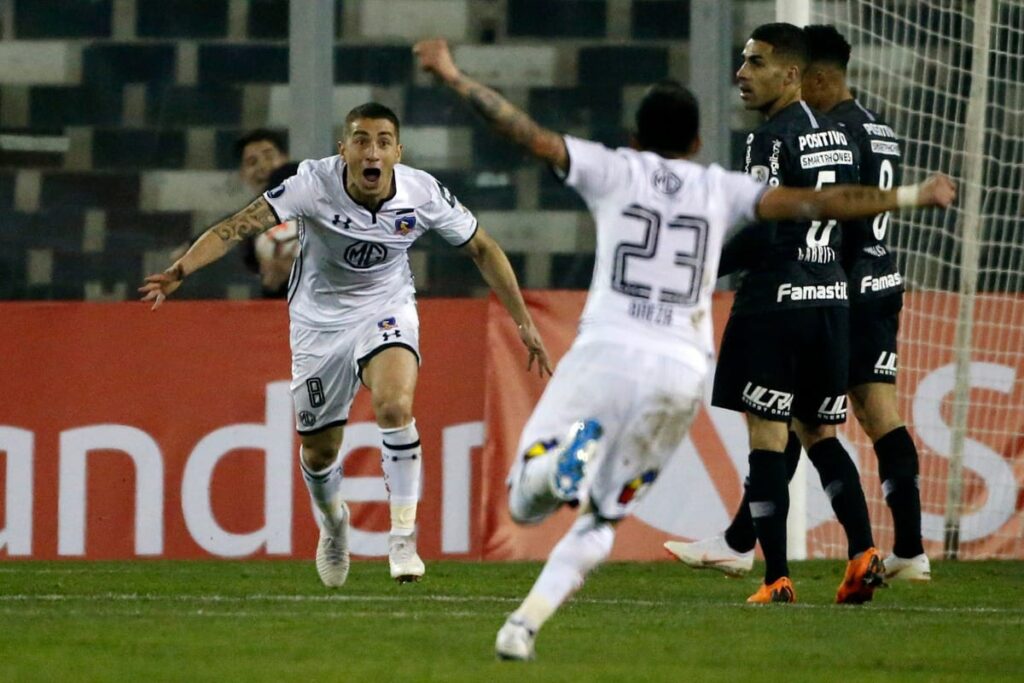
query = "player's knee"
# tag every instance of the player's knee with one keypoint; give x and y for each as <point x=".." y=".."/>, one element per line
<point x="320" y="450"/>
<point x="874" y="406"/>
<point x="878" y="425"/>
<point x="811" y="435"/>
<point x="393" y="411"/>
<point x="767" y="434"/>
<point x="318" y="458"/>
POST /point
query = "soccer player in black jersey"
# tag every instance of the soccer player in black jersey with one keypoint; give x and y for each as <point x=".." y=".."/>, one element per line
<point x="876" y="298"/>
<point x="784" y="355"/>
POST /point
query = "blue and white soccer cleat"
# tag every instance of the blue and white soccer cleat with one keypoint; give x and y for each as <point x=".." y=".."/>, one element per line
<point x="571" y="463"/>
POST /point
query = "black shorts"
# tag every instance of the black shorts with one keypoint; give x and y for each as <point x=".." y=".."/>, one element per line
<point x="790" y="363"/>
<point x="874" y="326"/>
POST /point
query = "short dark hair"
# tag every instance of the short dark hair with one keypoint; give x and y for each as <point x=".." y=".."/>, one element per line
<point x="668" y="118"/>
<point x="259" y="135"/>
<point x="788" y="40"/>
<point x="372" y="110"/>
<point x="826" y="45"/>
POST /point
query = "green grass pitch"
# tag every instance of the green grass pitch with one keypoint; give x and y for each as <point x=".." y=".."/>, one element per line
<point x="272" y="621"/>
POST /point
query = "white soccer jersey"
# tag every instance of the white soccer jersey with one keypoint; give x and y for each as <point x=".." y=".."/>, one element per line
<point x="353" y="261"/>
<point x="661" y="224"/>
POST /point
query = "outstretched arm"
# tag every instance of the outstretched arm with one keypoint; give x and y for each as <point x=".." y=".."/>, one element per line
<point x="505" y="118"/>
<point x="252" y="220"/>
<point x="490" y="259"/>
<point x="846" y="202"/>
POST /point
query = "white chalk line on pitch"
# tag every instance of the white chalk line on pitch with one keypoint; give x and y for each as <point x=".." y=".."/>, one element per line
<point x="341" y="599"/>
<point x="231" y="614"/>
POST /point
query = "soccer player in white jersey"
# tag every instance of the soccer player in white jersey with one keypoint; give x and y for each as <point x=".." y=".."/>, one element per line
<point x="624" y="395"/>
<point x="353" y="315"/>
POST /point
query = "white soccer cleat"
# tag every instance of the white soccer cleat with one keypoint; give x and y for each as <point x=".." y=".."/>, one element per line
<point x="406" y="565"/>
<point x="515" y="641"/>
<point x="917" y="568"/>
<point x="332" y="557"/>
<point x="712" y="553"/>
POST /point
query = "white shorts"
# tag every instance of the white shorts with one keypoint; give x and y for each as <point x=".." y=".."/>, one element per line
<point x="644" y="402"/>
<point x="327" y="365"/>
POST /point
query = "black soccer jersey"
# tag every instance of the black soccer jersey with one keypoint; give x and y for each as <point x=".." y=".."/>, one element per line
<point x="870" y="267"/>
<point x="798" y="264"/>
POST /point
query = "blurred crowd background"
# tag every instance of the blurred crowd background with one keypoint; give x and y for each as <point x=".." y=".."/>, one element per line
<point x="119" y="121"/>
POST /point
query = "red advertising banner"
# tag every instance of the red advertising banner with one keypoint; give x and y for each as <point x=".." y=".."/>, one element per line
<point x="125" y="433"/>
<point x="697" y="493"/>
<point x="129" y="433"/>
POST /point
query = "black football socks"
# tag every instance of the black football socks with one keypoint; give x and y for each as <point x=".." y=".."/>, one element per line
<point x="769" y="504"/>
<point x="898" y="472"/>
<point x="841" y="481"/>
<point x="740" y="534"/>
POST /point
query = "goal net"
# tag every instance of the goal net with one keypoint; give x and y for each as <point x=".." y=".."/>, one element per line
<point x="948" y="76"/>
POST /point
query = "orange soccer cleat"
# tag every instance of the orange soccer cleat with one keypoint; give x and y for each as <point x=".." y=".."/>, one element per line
<point x="864" y="574"/>
<point x="781" y="590"/>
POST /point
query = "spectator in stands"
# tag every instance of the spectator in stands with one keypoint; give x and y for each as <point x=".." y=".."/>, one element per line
<point x="263" y="163"/>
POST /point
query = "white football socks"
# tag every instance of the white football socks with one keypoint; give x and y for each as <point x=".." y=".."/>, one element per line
<point x="530" y="499"/>
<point x="586" y="545"/>
<point x="401" y="459"/>
<point x="323" y="489"/>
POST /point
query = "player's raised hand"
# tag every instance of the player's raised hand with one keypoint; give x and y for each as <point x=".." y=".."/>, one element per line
<point x="435" y="57"/>
<point x="531" y="339"/>
<point x="938" y="190"/>
<point x="159" y="286"/>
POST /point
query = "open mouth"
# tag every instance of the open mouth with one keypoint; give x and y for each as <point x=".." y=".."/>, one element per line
<point x="371" y="174"/>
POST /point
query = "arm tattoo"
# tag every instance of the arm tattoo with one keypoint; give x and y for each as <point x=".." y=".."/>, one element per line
<point x="860" y="194"/>
<point x="252" y="220"/>
<point x="508" y="120"/>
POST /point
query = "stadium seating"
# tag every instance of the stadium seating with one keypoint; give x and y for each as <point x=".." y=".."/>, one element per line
<point x="148" y="99"/>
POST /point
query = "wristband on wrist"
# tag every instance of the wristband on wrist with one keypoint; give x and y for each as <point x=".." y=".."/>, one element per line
<point x="177" y="271"/>
<point x="908" y="195"/>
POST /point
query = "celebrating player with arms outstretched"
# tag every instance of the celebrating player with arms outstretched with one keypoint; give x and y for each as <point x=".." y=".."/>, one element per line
<point x="625" y="394"/>
<point x="353" y="312"/>
<point x="876" y="298"/>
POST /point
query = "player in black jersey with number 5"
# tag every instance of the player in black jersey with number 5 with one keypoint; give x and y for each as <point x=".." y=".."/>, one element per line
<point x="875" y="302"/>
<point x="784" y="355"/>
